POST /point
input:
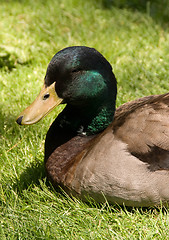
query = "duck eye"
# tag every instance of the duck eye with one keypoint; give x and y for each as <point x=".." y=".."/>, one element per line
<point x="46" y="96"/>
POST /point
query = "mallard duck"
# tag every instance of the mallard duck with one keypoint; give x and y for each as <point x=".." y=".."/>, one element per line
<point x="91" y="150"/>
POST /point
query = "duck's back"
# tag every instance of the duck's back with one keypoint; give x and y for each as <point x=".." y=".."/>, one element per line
<point x="144" y="124"/>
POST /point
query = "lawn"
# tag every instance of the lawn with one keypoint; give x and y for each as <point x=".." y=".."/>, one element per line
<point x="134" y="37"/>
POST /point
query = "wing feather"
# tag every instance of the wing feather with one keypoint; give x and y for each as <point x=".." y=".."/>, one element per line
<point x="144" y="125"/>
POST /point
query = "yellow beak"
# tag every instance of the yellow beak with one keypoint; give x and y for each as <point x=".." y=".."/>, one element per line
<point x="43" y="104"/>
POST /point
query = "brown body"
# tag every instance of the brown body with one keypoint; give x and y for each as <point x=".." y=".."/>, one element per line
<point x="127" y="163"/>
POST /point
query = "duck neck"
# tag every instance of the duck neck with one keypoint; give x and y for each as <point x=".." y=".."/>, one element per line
<point x="87" y="121"/>
<point x="101" y="120"/>
<point x="72" y="122"/>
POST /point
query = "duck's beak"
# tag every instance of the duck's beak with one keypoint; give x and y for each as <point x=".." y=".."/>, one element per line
<point x="43" y="104"/>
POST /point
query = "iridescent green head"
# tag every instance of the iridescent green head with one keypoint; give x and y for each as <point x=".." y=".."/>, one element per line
<point x="83" y="79"/>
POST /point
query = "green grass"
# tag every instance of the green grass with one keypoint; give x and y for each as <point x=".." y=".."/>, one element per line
<point x="133" y="36"/>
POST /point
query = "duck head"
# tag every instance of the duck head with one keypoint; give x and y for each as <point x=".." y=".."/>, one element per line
<point x="83" y="79"/>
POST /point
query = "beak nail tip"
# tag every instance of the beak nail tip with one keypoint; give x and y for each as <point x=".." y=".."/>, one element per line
<point x="19" y="120"/>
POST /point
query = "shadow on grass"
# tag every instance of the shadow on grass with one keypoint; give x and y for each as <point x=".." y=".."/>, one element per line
<point x="8" y="60"/>
<point x="156" y="9"/>
<point x="31" y="175"/>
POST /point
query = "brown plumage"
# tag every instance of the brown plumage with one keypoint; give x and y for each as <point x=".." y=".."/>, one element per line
<point x="143" y="127"/>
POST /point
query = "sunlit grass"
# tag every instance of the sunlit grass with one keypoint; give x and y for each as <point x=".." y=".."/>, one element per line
<point x="31" y="33"/>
